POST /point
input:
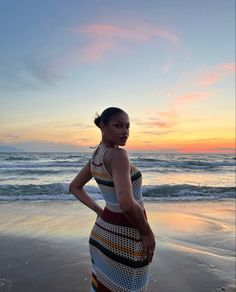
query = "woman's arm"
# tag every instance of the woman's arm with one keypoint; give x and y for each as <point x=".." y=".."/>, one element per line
<point x="120" y="168"/>
<point x="76" y="188"/>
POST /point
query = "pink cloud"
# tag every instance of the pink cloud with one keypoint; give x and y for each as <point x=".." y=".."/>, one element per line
<point x="141" y="33"/>
<point x="215" y="74"/>
<point x="96" y="50"/>
<point x="105" y="30"/>
<point x="202" y="79"/>
<point x="105" y="38"/>
<point x="191" y="97"/>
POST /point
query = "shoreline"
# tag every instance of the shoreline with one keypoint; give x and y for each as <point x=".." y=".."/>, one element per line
<point x="44" y="246"/>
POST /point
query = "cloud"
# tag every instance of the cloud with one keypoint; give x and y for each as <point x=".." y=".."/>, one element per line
<point x="27" y="74"/>
<point x="41" y="72"/>
<point x="203" y="79"/>
<point x="158" y="122"/>
<point x="153" y="113"/>
<point x="81" y="126"/>
<point x="85" y="140"/>
<point x="102" y="38"/>
<point x="190" y="97"/>
<point x="199" y="140"/>
<point x="9" y="137"/>
<point x="142" y="32"/>
<point x="155" y="132"/>
<point x="196" y="85"/>
<point x="215" y="74"/>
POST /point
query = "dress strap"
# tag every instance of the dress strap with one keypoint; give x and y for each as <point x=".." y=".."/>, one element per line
<point x="95" y="151"/>
<point x="102" y="161"/>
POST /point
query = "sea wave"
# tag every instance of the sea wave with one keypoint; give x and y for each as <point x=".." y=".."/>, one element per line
<point x="36" y="172"/>
<point x="187" y="192"/>
<point x="144" y="166"/>
<point x="183" y="165"/>
<point x="17" y="158"/>
<point x="59" y="191"/>
<point x="39" y="165"/>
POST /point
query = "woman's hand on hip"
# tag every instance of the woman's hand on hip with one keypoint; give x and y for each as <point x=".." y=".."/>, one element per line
<point x="148" y="245"/>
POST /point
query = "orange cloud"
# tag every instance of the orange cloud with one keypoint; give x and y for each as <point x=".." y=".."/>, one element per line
<point x="101" y="38"/>
<point x="160" y="123"/>
<point x="162" y="119"/>
<point x="215" y="74"/>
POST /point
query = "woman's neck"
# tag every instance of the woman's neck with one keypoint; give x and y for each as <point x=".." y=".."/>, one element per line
<point x="109" y="144"/>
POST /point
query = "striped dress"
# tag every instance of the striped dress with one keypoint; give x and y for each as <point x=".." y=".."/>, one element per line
<point x="115" y="245"/>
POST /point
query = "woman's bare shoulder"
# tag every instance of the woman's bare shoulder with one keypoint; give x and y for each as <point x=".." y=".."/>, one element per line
<point x="116" y="156"/>
<point x="119" y="159"/>
<point x="118" y="153"/>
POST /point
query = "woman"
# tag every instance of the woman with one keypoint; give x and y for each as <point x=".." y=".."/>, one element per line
<point x="121" y="242"/>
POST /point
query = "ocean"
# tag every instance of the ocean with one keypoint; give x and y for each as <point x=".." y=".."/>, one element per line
<point x="35" y="176"/>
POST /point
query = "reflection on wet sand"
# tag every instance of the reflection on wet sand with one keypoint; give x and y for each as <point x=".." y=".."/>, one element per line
<point x="195" y="240"/>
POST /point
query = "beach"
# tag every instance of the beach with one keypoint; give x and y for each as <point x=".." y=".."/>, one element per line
<point x="44" y="246"/>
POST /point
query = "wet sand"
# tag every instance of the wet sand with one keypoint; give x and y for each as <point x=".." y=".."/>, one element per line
<point x="44" y="246"/>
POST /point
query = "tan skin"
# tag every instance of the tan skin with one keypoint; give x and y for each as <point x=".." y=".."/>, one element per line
<point x="117" y="163"/>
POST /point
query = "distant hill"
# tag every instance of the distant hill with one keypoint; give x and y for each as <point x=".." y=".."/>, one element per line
<point x="4" y="148"/>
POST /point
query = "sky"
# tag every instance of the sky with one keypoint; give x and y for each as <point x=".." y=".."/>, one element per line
<point x="169" y="64"/>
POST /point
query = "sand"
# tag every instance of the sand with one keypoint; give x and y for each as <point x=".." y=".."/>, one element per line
<point x="44" y="246"/>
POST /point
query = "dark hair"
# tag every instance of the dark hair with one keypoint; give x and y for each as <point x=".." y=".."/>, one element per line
<point x="106" y="115"/>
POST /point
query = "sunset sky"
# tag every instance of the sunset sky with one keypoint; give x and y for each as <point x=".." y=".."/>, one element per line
<point x="169" y="64"/>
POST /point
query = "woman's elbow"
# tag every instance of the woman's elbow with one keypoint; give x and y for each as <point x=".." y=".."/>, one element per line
<point x="72" y="187"/>
<point x="75" y="186"/>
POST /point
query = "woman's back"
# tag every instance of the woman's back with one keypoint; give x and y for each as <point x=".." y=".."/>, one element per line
<point x="106" y="184"/>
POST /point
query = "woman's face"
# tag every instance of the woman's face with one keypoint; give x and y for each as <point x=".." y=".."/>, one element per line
<point x="117" y="130"/>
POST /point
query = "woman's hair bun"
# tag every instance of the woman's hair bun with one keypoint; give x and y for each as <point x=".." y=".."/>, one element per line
<point x="97" y="120"/>
<point x="106" y="115"/>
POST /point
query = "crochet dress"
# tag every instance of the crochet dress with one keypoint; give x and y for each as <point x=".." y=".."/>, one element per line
<point x="115" y="244"/>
